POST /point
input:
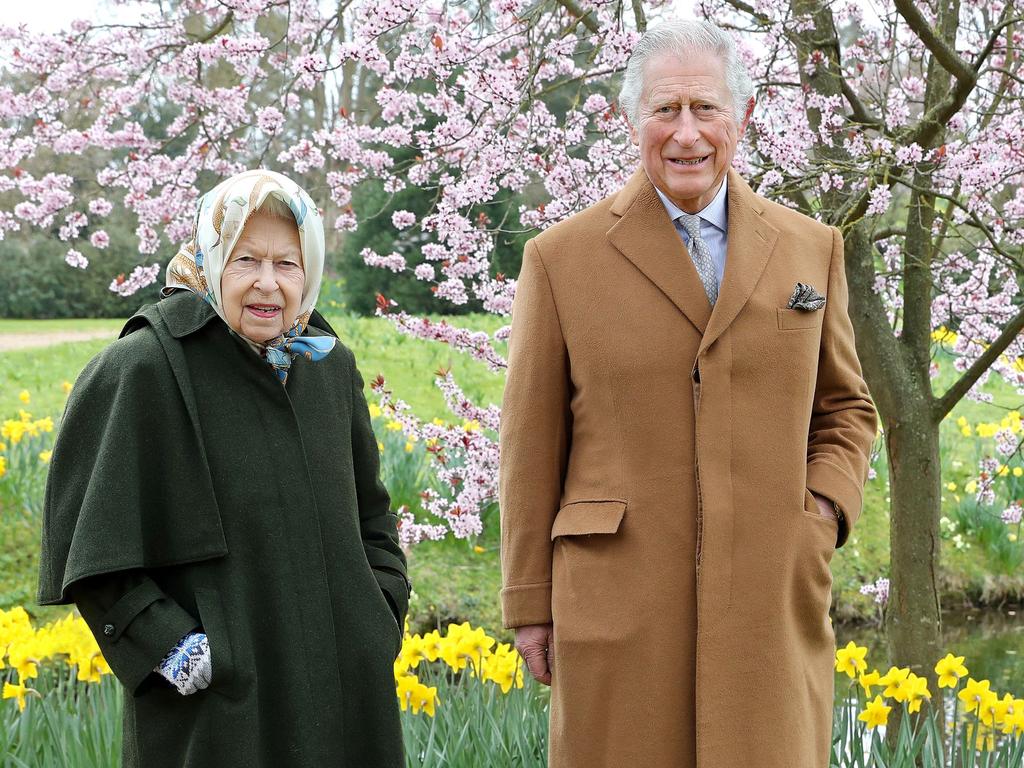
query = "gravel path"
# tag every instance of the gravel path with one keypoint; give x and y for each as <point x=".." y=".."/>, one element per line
<point x="11" y="341"/>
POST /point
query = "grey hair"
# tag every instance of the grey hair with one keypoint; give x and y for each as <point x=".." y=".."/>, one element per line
<point x="273" y="205"/>
<point x="681" y="38"/>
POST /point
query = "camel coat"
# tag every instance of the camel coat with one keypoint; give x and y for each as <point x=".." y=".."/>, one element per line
<point x="656" y="468"/>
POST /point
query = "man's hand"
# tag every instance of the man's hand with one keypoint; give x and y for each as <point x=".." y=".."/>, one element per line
<point x="824" y="506"/>
<point x="535" y="643"/>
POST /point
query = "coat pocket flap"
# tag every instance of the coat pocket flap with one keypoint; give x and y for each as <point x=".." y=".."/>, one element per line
<point x="586" y="517"/>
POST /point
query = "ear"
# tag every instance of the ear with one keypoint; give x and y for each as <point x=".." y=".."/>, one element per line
<point x="634" y="134"/>
<point x="747" y="115"/>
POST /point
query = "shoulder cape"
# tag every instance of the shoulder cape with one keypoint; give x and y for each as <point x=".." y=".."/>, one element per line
<point x="128" y="484"/>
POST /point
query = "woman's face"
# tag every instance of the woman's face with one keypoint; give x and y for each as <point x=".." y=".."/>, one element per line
<point x="261" y="286"/>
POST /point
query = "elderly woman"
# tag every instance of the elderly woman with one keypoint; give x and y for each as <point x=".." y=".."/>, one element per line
<point x="215" y="511"/>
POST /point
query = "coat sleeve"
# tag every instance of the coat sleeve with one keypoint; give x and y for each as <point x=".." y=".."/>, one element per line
<point x="843" y="420"/>
<point x="535" y="432"/>
<point x="378" y="526"/>
<point x="135" y="623"/>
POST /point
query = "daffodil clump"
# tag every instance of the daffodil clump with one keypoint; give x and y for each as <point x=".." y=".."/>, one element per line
<point x="24" y="649"/>
<point x="68" y="641"/>
<point x="983" y="721"/>
<point x="462" y="649"/>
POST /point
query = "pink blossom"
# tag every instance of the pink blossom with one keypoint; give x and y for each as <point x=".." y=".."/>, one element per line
<point x="403" y="219"/>
<point x="99" y="239"/>
<point x="76" y="259"/>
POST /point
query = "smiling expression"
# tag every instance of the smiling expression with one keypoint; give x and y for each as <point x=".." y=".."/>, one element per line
<point x="687" y="130"/>
<point x="261" y="286"/>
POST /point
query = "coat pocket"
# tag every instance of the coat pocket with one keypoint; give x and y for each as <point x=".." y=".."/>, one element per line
<point x="583" y="518"/>
<point x="796" y="319"/>
<point x="211" y="615"/>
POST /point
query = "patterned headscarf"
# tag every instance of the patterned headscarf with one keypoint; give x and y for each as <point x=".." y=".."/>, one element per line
<point x="220" y="216"/>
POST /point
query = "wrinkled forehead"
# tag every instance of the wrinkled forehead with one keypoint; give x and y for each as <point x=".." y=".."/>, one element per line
<point x="267" y="234"/>
<point x="695" y="74"/>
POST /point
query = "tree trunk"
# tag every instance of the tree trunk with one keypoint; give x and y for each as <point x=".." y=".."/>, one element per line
<point x="912" y="618"/>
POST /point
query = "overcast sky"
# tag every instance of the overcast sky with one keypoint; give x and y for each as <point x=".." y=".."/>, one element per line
<point x="53" y="15"/>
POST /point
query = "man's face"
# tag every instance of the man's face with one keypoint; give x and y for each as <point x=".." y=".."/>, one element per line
<point x="687" y="130"/>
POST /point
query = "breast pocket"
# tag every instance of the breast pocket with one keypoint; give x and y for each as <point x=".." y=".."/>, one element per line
<point x="799" y="319"/>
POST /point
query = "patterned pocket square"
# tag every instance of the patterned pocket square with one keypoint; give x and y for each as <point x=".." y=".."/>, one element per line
<point x="806" y="298"/>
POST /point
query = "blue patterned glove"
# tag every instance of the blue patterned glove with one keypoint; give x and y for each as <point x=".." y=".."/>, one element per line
<point x="188" y="666"/>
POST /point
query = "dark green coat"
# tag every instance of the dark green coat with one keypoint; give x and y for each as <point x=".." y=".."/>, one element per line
<point x="189" y="488"/>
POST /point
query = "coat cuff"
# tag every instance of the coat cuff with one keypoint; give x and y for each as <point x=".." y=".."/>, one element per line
<point x="526" y="604"/>
<point x="138" y="631"/>
<point x="396" y="591"/>
<point x="828" y="480"/>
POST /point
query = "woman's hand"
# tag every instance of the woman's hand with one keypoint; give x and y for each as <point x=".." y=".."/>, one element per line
<point x="188" y="666"/>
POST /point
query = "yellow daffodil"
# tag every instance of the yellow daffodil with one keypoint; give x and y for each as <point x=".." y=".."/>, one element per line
<point x="1018" y="471"/>
<point x="896" y="682"/>
<point x="471" y="426"/>
<point x="66" y="386"/>
<point x="430" y="644"/>
<point x="380" y="446"/>
<point x="408" y="447"/>
<point x="869" y="680"/>
<point x="3" y="466"/>
<point x="44" y="456"/>
<point x="917" y="691"/>
<point x="965" y="431"/>
<point x="12" y="691"/>
<point x="393" y="426"/>
<point x="479" y="550"/>
<point x="25" y="397"/>
<point x="974" y="693"/>
<point x="375" y="411"/>
<point x="950" y="670"/>
<point x="1005" y="709"/>
<point x="876" y="713"/>
<point x="950" y="486"/>
<point x="851" y="659"/>
<point x="971" y="487"/>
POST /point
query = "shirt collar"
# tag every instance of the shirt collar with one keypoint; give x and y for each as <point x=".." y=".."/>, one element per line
<point x="714" y="213"/>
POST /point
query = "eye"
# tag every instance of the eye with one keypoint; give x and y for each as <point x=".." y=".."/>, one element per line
<point x="245" y="258"/>
<point x="665" y="109"/>
<point x="288" y="263"/>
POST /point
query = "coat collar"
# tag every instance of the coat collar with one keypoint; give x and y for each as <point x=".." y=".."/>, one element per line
<point x="645" y="235"/>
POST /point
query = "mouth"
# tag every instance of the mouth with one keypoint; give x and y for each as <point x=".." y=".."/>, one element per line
<point x="689" y="162"/>
<point x="263" y="310"/>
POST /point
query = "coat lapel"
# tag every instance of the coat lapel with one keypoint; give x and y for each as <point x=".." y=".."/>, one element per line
<point x="751" y="240"/>
<point x="645" y="235"/>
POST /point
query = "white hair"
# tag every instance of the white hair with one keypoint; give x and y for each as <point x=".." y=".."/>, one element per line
<point x="273" y="205"/>
<point x="681" y="38"/>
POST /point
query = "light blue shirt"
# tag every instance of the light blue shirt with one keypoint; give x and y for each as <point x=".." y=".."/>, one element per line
<point x="714" y="226"/>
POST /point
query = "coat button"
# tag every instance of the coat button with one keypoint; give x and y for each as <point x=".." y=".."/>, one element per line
<point x="108" y="630"/>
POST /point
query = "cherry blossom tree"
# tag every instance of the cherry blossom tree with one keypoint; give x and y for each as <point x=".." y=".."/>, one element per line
<point x="898" y="122"/>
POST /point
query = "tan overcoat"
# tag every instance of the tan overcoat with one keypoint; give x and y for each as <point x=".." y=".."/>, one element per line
<point x="656" y="463"/>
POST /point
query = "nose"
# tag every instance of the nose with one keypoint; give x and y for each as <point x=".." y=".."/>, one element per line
<point x="266" y="278"/>
<point x="686" y="132"/>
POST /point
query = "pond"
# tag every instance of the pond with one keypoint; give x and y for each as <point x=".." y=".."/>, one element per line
<point x="991" y="640"/>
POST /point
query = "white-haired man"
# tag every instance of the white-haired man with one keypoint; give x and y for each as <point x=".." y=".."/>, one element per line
<point x="685" y="438"/>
